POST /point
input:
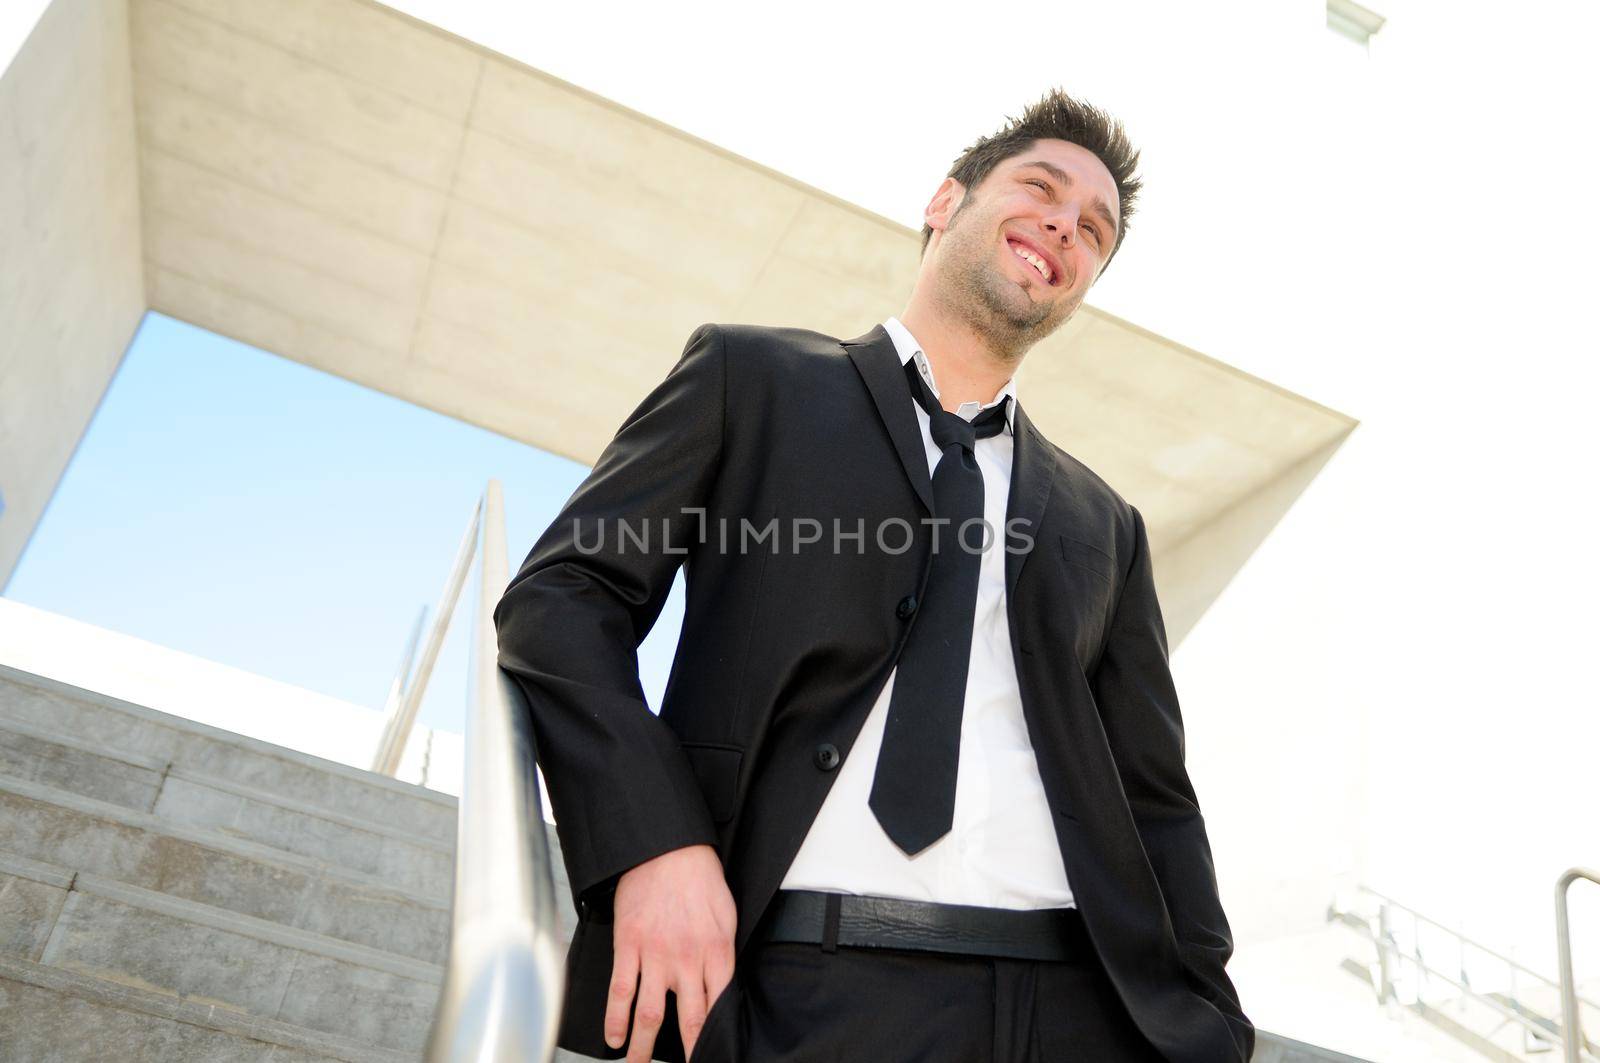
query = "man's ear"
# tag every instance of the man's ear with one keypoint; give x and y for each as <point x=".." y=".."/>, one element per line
<point x="946" y="199"/>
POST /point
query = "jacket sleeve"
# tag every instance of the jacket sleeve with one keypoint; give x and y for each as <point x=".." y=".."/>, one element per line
<point x="1138" y="702"/>
<point x="570" y="623"/>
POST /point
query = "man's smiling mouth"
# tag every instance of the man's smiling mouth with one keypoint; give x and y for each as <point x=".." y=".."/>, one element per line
<point x="1039" y="265"/>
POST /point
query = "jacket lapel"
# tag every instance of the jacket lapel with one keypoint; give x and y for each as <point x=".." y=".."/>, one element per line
<point x="879" y="364"/>
<point x="1032" y="475"/>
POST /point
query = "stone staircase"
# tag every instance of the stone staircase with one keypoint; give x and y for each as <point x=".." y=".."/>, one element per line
<point x="170" y="891"/>
<point x="173" y="892"/>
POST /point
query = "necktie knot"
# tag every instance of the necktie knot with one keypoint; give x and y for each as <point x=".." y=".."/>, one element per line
<point x="946" y="427"/>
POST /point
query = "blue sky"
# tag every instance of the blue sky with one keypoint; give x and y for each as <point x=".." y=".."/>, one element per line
<point x="253" y="511"/>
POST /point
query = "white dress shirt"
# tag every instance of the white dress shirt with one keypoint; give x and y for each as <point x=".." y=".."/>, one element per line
<point x="1001" y="851"/>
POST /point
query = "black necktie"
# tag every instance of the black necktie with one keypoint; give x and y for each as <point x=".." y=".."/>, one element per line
<point x="914" y="788"/>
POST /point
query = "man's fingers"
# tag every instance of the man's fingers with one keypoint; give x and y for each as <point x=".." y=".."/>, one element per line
<point x="691" y="994"/>
<point x="673" y="932"/>
<point x="624" y="980"/>
<point x="719" y="972"/>
<point x="648" y="1012"/>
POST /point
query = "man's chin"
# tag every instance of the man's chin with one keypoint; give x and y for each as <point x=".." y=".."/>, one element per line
<point x="1029" y="299"/>
<point x="1035" y="288"/>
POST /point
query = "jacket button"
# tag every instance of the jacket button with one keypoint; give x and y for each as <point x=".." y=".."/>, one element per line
<point x="827" y="756"/>
<point x="907" y="606"/>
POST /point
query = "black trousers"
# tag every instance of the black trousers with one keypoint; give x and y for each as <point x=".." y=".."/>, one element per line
<point x="797" y="1003"/>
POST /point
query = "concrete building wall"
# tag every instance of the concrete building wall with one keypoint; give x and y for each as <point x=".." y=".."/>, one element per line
<point x="71" y="277"/>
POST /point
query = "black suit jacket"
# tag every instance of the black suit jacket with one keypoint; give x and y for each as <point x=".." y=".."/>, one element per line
<point x="783" y="652"/>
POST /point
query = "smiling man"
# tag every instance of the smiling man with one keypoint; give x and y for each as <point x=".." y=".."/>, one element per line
<point x="917" y="789"/>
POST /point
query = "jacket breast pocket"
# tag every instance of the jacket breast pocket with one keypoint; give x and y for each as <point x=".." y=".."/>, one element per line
<point x="1089" y="577"/>
<point x="716" y="769"/>
<point x="1089" y="556"/>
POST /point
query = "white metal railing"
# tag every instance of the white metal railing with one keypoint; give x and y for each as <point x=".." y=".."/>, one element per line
<point x="1571" y="1025"/>
<point x="1511" y="1010"/>
<point x="397" y="688"/>
<point x="506" y="970"/>
<point x="400" y="713"/>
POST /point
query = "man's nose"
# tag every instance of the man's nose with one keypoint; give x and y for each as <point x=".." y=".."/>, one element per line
<point x="1064" y="225"/>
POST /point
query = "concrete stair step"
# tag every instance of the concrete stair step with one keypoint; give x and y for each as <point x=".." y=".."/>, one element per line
<point x="178" y="795"/>
<point x="66" y="1017"/>
<point x="64" y="762"/>
<point x="111" y="726"/>
<point x="57" y="827"/>
<point x="200" y="954"/>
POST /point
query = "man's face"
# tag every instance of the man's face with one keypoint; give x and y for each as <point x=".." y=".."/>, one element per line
<point x="1055" y="201"/>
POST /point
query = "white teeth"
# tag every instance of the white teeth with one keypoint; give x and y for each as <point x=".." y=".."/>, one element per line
<point x="1033" y="260"/>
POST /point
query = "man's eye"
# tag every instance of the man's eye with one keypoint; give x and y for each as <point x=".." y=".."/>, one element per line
<point x="1093" y="232"/>
<point x="1041" y="184"/>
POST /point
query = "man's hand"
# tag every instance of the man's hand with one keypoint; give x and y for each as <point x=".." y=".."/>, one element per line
<point x="673" y="928"/>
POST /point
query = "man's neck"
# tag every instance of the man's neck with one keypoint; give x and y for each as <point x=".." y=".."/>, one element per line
<point x="965" y="370"/>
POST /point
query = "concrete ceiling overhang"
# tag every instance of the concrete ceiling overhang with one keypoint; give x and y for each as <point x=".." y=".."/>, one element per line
<point x="358" y="191"/>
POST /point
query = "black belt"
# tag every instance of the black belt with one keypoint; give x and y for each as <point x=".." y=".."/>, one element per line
<point x="833" y="919"/>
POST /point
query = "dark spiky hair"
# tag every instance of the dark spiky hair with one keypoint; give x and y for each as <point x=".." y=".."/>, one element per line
<point x="1056" y="116"/>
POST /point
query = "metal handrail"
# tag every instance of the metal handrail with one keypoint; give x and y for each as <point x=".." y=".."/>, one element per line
<point x="1507" y="960"/>
<point x="506" y="973"/>
<point x="1571" y="1023"/>
<point x="400" y="683"/>
<point x="400" y="719"/>
<point x="1387" y="946"/>
<point x="1384" y="940"/>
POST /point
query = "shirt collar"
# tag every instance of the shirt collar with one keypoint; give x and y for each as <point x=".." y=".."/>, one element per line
<point x="907" y="347"/>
